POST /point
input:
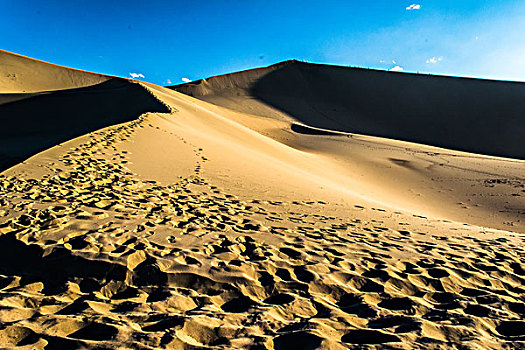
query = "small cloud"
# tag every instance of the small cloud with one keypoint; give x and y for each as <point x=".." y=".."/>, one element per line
<point x="396" y="69"/>
<point x="136" y="75"/>
<point x="477" y="37"/>
<point x="413" y="7"/>
<point x="394" y="62"/>
<point x="186" y="80"/>
<point x="381" y="61"/>
<point x="434" y="60"/>
<point x="168" y="81"/>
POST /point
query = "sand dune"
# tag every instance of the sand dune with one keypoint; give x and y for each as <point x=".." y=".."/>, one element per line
<point x="33" y="122"/>
<point x="472" y="115"/>
<point x="20" y="74"/>
<point x="40" y="121"/>
<point x="193" y="225"/>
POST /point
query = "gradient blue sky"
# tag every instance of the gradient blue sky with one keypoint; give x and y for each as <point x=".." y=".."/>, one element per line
<point x="170" y="40"/>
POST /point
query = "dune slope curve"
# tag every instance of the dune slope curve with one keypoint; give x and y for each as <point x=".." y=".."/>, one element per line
<point x="32" y="122"/>
<point x="20" y="74"/>
<point x="473" y="115"/>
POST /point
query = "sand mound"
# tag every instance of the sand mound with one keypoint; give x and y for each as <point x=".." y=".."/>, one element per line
<point x="471" y="115"/>
<point x="40" y="121"/>
<point x="42" y="105"/>
<point x="201" y="227"/>
<point x="20" y="74"/>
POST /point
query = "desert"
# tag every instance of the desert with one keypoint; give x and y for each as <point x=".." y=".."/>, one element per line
<point x="294" y="206"/>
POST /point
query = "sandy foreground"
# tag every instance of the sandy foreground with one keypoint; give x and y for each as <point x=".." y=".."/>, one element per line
<point x="164" y="221"/>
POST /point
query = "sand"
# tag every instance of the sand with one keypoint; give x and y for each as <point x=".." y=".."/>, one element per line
<point x="473" y="115"/>
<point x="20" y="74"/>
<point x="194" y="225"/>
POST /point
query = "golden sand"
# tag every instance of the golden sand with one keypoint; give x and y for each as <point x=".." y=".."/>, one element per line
<point x="195" y="225"/>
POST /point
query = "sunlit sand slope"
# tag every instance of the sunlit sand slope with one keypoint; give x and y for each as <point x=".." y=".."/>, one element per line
<point x="202" y="227"/>
<point x="20" y="74"/>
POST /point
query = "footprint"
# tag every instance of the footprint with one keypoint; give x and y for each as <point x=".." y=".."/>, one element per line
<point x="398" y="304"/>
<point x="162" y="323"/>
<point x="402" y="324"/>
<point x="279" y="299"/>
<point x="95" y="331"/>
<point x="297" y="340"/>
<point x="237" y="305"/>
<point x="292" y="253"/>
<point x="512" y="329"/>
<point x="366" y="336"/>
<point x="354" y="305"/>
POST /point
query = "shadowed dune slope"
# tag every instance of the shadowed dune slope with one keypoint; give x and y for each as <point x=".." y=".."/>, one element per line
<point x="42" y="104"/>
<point x="473" y="115"/>
<point x="31" y="125"/>
<point x="23" y="74"/>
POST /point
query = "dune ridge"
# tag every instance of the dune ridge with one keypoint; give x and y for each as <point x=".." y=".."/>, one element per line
<point x="21" y="74"/>
<point x="197" y="226"/>
<point x="474" y="115"/>
<point x="38" y="122"/>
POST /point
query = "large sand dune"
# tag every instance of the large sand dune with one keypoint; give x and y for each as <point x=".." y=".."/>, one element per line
<point x="472" y="115"/>
<point x="196" y="225"/>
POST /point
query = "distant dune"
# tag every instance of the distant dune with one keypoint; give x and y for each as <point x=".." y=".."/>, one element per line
<point x="135" y="216"/>
<point x="473" y="115"/>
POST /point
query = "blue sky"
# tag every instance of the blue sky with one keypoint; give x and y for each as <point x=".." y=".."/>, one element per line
<point x="166" y="41"/>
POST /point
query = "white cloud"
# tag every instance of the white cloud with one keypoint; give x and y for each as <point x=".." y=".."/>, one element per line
<point x="394" y="61"/>
<point x="434" y="60"/>
<point x="381" y="61"/>
<point x="413" y="7"/>
<point x="136" y="75"/>
<point x="168" y="81"/>
<point x="396" y="69"/>
<point x="186" y="80"/>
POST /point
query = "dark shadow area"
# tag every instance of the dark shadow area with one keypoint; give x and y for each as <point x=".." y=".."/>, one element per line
<point x="37" y="123"/>
<point x="53" y="268"/>
<point x="301" y="340"/>
<point x="474" y="115"/>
